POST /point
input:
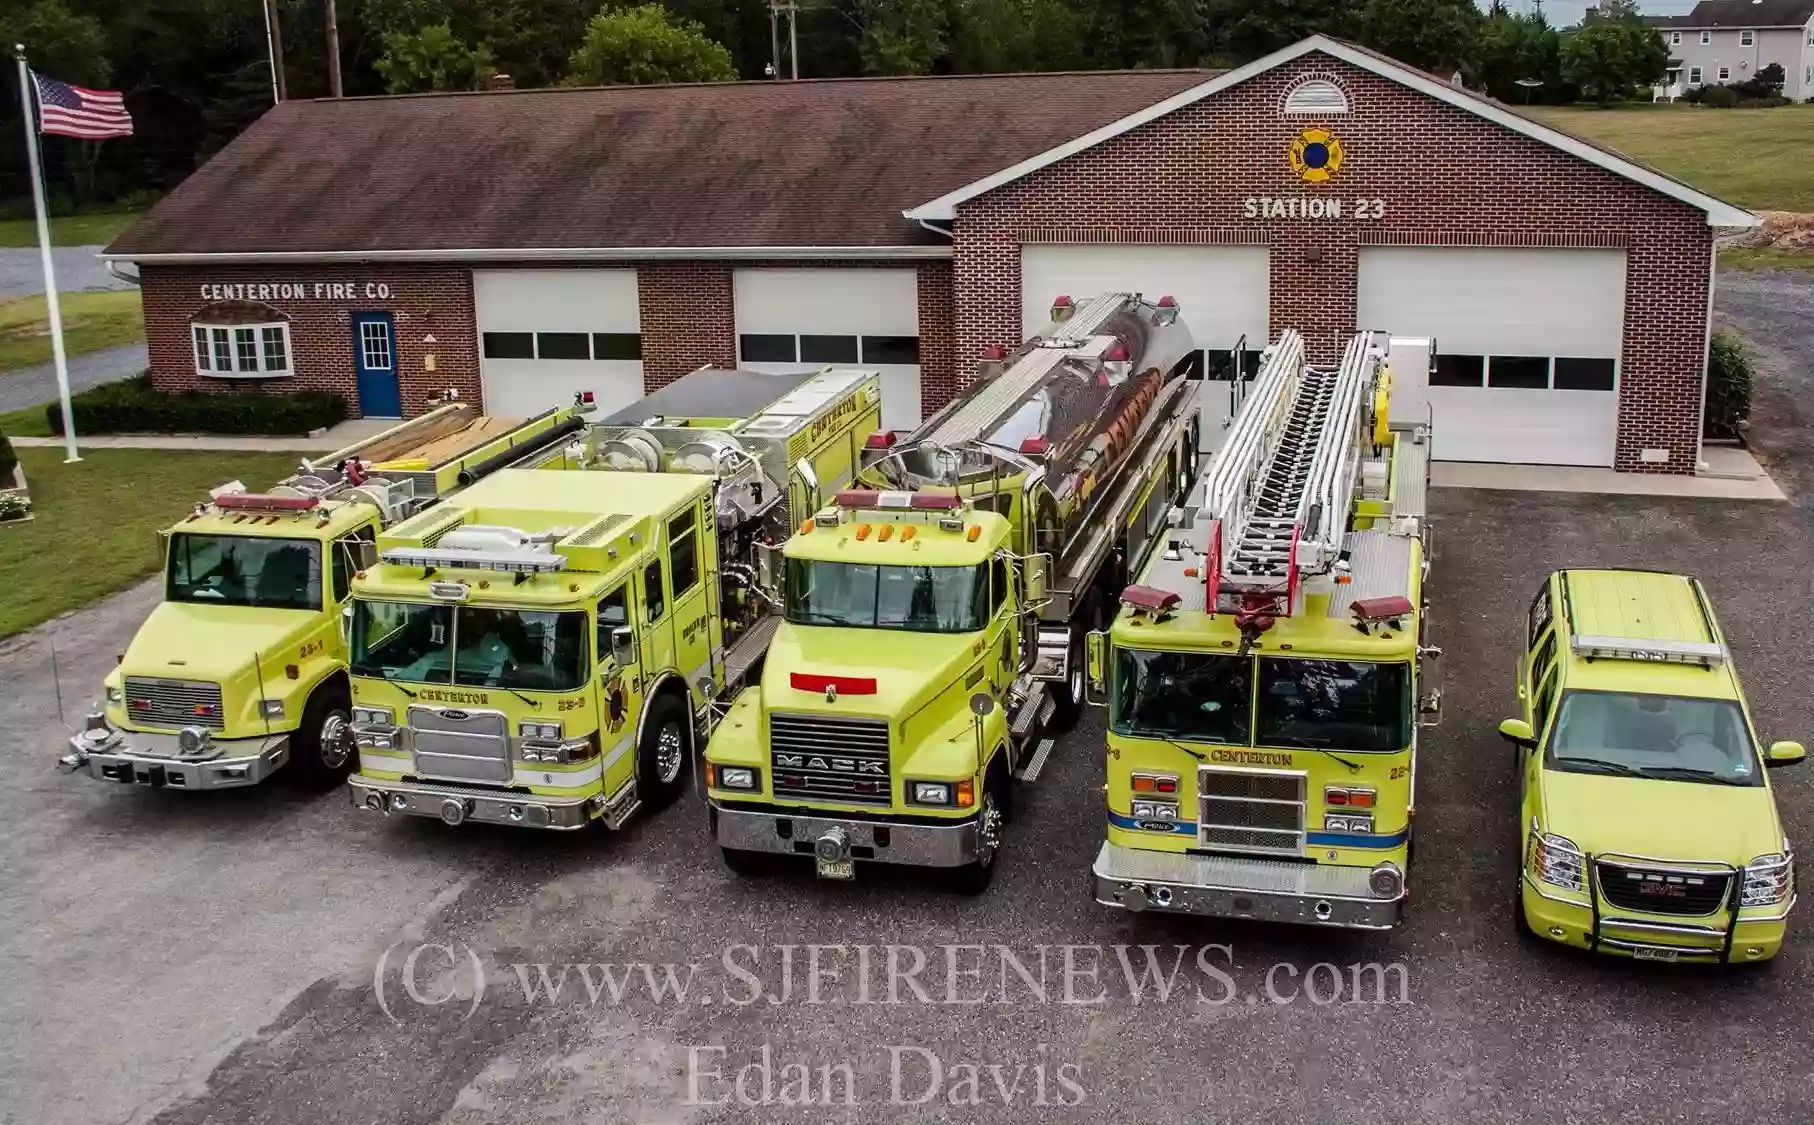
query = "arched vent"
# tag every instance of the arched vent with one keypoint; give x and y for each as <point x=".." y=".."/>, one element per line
<point x="1316" y="96"/>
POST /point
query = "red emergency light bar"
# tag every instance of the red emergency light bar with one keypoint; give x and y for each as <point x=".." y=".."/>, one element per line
<point x="881" y="439"/>
<point x="265" y="502"/>
<point x="995" y="351"/>
<point x="1034" y="446"/>
<point x="843" y="685"/>
<point x="1380" y="609"/>
<point x="937" y="501"/>
<point x="857" y="498"/>
<point x="1062" y="307"/>
<point x="1149" y="599"/>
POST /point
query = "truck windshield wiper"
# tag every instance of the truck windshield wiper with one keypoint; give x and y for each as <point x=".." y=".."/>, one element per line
<point x="1299" y="744"/>
<point x="535" y="703"/>
<point x="1597" y="765"/>
<point x="389" y="679"/>
<point x="1689" y="773"/>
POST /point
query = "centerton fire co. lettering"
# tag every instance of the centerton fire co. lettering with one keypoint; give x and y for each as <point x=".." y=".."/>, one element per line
<point x="1311" y="207"/>
<point x="298" y="291"/>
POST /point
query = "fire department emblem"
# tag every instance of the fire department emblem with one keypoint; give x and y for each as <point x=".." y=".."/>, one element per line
<point x="1316" y="155"/>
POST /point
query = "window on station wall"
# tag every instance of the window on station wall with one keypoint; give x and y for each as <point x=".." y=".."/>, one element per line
<point x="891" y="349"/>
<point x="616" y="345"/>
<point x="241" y="351"/>
<point x="1459" y="371"/>
<point x="1520" y="372"/>
<point x="768" y="349"/>
<point x="1577" y="374"/>
<point x="563" y="345"/>
<point x="828" y="349"/>
<point x="509" y="345"/>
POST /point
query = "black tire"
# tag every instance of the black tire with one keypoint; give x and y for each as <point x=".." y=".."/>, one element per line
<point x="664" y="752"/>
<point x="974" y="878"/>
<point x="322" y="751"/>
<point x="1069" y="694"/>
<point x="747" y="864"/>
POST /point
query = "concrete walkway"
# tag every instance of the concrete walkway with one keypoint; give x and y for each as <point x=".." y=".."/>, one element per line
<point x="338" y="437"/>
<point x="29" y="386"/>
<point x="77" y="268"/>
<point x="1728" y="473"/>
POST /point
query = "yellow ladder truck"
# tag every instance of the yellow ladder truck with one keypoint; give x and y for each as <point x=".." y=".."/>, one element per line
<point x="935" y="613"/>
<point x="1267" y="672"/>
<point x="242" y="667"/>
<point x="540" y="650"/>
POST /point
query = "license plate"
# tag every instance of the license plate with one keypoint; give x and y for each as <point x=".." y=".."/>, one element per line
<point x="1654" y="953"/>
<point x="837" y="868"/>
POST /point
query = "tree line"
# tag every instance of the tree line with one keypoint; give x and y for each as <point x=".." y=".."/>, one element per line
<point x="195" y="72"/>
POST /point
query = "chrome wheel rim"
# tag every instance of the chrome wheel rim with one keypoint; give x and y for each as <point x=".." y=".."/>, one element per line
<point x="1076" y="677"/>
<point x="336" y="740"/>
<point x="669" y="752"/>
<point x="988" y="831"/>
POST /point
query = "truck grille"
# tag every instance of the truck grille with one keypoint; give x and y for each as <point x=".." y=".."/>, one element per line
<point x="1663" y="892"/>
<point x="175" y="703"/>
<point x="818" y="757"/>
<point x="460" y="745"/>
<point x="1250" y="810"/>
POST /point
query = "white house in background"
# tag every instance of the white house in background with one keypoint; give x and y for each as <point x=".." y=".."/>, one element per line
<point x="1724" y="41"/>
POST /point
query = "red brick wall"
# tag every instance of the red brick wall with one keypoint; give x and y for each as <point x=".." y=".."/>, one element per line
<point x="424" y="300"/>
<point x="1447" y="178"/>
<point x="686" y="308"/>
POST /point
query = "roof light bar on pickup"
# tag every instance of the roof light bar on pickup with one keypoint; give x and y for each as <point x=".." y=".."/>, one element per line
<point x="1704" y="653"/>
<point x="511" y="562"/>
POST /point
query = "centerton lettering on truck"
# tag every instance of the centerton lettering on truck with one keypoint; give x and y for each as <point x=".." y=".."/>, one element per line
<point x="1251" y="757"/>
<point x="297" y="291"/>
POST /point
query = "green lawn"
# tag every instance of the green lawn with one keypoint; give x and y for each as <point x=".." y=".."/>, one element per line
<point x="91" y="320"/>
<point x="97" y="521"/>
<point x="76" y="230"/>
<point x="29" y="422"/>
<point x="1756" y="158"/>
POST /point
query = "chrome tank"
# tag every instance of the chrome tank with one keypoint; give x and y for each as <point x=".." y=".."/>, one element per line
<point x="1059" y="413"/>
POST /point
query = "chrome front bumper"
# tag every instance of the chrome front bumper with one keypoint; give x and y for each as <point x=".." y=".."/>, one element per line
<point x="1268" y="890"/>
<point x="876" y="841"/>
<point x="158" y="761"/>
<point x="455" y="804"/>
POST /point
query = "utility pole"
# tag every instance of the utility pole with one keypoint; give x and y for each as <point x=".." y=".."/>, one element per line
<point x="775" y="8"/>
<point x="274" y="43"/>
<point x="334" y="87"/>
<point x="774" y="40"/>
<point x="793" y="38"/>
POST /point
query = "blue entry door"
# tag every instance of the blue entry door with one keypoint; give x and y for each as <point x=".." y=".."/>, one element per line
<point x="375" y="359"/>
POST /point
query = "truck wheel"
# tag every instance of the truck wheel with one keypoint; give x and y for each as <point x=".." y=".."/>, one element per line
<point x="663" y="752"/>
<point x="974" y="878"/>
<point x="321" y="750"/>
<point x="1069" y="694"/>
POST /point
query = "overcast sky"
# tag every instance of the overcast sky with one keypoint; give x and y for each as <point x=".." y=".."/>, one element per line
<point x="1561" y="13"/>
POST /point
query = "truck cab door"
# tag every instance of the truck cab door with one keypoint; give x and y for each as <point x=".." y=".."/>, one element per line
<point x="620" y="686"/>
<point x="691" y="602"/>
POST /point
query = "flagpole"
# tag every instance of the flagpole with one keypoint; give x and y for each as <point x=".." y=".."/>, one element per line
<point x="28" y="101"/>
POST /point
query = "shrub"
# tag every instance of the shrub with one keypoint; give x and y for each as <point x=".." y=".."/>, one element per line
<point x="8" y="459"/>
<point x="1728" y="403"/>
<point x="134" y="406"/>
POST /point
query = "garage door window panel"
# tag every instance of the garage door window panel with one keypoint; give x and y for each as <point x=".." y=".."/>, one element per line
<point x="903" y="350"/>
<point x="768" y="348"/>
<point x="828" y="349"/>
<point x="509" y="345"/>
<point x="617" y="345"/>
<point x="1523" y="372"/>
<point x="1576" y="374"/>
<point x="1459" y="371"/>
<point x="563" y="345"/>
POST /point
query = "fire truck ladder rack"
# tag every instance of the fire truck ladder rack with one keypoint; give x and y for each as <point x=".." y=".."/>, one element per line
<point x="1282" y="487"/>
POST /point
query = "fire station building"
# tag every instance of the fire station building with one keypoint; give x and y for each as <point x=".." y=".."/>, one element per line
<point x="518" y="246"/>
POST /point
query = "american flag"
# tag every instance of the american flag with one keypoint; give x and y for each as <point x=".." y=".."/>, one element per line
<point x="71" y="111"/>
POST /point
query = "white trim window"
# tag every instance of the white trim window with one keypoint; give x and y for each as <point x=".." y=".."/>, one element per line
<point x="1747" y="38"/>
<point x="1675" y="39"/>
<point x="1706" y="38"/>
<point x="1725" y="73"/>
<point x="241" y="351"/>
<point x="1694" y="75"/>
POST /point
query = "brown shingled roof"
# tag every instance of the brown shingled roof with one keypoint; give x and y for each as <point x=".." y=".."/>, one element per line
<point x="783" y="164"/>
<point x="1745" y="13"/>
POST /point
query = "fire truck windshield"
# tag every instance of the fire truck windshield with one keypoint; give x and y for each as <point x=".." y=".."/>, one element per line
<point x="245" y="570"/>
<point x="1249" y="701"/>
<point x="926" y="599"/>
<point x="469" y="645"/>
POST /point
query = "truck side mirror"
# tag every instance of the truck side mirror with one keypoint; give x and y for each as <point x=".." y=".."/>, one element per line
<point x="623" y="646"/>
<point x="1095" y="663"/>
<point x="1519" y="731"/>
<point x="1785" y="754"/>
<point x="1034" y="574"/>
<point x="346" y="623"/>
<point x="767" y="565"/>
<point x="810" y="479"/>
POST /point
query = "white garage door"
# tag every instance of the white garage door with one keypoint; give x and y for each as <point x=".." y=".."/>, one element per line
<point x="546" y="334"/>
<point x="1527" y="346"/>
<point x="807" y="319"/>
<point x="1223" y="291"/>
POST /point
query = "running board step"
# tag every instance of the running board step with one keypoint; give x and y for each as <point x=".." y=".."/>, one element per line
<point x="623" y="806"/>
<point x="1032" y="709"/>
<point x="1029" y="773"/>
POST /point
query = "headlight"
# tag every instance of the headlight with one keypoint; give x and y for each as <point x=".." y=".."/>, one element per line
<point x="115" y="697"/>
<point x="271" y="708"/>
<point x="736" y="777"/>
<point x="530" y="728"/>
<point x="373" y="716"/>
<point x="942" y="794"/>
<point x="1155" y="810"/>
<point x="931" y="793"/>
<point x="1768" y="879"/>
<point x="1557" y="861"/>
<point x="1360" y="825"/>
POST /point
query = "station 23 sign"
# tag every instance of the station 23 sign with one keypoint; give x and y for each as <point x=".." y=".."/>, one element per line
<point x="1315" y="156"/>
